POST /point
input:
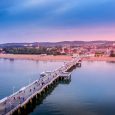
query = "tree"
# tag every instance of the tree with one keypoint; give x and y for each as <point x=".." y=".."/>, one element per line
<point x="112" y="54"/>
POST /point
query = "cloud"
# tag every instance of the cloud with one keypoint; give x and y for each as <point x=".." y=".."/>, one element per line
<point x="27" y="5"/>
<point x="45" y="20"/>
<point x="56" y="13"/>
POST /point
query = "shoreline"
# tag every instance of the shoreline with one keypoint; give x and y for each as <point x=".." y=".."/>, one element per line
<point x="52" y="58"/>
<point x="35" y="57"/>
<point x="108" y="59"/>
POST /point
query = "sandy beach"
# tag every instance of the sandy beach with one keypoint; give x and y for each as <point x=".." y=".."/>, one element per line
<point x="36" y="57"/>
<point x="52" y="58"/>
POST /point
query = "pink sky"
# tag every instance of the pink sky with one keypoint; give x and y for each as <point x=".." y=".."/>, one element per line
<point x="32" y="34"/>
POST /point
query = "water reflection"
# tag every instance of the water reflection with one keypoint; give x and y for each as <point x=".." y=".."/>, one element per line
<point x="90" y="92"/>
<point x="19" y="73"/>
<point x="38" y="100"/>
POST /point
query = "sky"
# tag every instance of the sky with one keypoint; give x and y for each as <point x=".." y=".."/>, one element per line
<point x="56" y="20"/>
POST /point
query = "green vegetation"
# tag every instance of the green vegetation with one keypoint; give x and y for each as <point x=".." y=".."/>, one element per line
<point x="32" y="50"/>
<point x="112" y="53"/>
<point x="98" y="54"/>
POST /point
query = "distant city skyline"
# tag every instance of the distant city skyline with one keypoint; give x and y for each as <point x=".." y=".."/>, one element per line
<point x="54" y="21"/>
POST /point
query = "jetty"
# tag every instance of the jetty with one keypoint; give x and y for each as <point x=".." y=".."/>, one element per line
<point x="17" y="102"/>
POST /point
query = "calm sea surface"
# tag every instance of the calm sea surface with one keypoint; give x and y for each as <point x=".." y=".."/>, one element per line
<point x="14" y="74"/>
<point x="90" y="92"/>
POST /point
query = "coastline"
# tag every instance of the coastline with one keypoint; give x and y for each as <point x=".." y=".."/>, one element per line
<point x="103" y="58"/>
<point x="52" y="58"/>
<point x="35" y="57"/>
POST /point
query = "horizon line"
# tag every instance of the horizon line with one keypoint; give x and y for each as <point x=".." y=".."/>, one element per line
<point x="60" y="41"/>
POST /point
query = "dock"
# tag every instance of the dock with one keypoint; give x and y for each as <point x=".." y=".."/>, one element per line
<point x="17" y="102"/>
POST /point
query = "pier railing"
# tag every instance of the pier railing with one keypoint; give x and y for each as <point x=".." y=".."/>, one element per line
<point x="11" y="103"/>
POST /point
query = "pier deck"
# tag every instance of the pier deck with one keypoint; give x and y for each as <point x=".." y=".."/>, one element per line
<point x="19" y="99"/>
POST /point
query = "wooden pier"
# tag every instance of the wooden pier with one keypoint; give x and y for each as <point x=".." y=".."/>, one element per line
<point x="17" y="102"/>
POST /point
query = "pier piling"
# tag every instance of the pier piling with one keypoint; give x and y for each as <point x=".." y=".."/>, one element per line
<point x="32" y="94"/>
